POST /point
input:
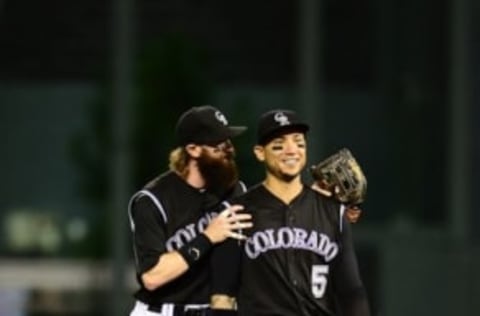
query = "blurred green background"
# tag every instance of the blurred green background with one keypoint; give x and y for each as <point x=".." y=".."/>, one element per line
<point x="90" y="92"/>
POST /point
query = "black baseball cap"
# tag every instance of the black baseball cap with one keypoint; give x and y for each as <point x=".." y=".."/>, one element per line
<point x="205" y="125"/>
<point x="278" y="122"/>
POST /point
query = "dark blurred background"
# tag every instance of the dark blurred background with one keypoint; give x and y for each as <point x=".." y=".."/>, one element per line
<point x="90" y="91"/>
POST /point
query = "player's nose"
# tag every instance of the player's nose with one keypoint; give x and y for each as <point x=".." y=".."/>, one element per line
<point x="290" y="147"/>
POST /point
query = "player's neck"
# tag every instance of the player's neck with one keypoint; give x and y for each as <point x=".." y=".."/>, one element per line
<point x="194" y="178"/>
<point x="285" y="191"/>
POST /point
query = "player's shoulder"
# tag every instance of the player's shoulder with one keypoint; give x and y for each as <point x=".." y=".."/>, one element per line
<point x="164" y="180"/>
<point x="313" y="194"/>
<point x="327" y="202"/>
<point x="170" y="185"/>
<point x="158" y="190"/>
<point x="251" y="193"/>
<point x="238" y="189"/>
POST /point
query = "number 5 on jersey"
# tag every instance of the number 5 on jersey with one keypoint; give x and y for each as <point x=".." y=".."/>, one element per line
<point x="319" y="280"/>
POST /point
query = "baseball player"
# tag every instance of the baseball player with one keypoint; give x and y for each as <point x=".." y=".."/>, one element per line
<point x="298" y="258"/>
<point x="174" y="218"/>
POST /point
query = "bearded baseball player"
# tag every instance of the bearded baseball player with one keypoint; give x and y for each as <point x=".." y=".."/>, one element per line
<point x="174" y="217"/>
<point x="298" y="258"/>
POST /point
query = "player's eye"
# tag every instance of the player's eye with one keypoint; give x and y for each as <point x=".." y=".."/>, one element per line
<point x="277" y="147"/>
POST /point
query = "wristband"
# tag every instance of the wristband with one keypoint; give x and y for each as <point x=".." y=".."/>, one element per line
<point x="195" y="249"/>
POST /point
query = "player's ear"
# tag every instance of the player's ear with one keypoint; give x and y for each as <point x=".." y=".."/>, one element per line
<point x="259" y="152"/>
<point x="193" y="150"/>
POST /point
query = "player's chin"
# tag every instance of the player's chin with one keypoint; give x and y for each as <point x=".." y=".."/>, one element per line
<point x="289" y="176"/>
<point x="292" y="170"/>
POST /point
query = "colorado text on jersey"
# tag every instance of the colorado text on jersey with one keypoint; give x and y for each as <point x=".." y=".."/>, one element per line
<point x="185" y="234"/>
<point x="291" y="237"/>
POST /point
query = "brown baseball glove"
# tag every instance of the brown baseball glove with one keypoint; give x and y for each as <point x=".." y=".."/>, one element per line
<point x="341" y="174"/>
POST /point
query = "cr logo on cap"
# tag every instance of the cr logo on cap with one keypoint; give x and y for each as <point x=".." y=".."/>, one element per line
<point x="281" y="119"/>
<point x="219" y="115"/>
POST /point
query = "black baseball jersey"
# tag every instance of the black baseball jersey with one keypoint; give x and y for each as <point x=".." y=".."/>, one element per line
<point x="298" y="259"/>
<point x="164" y="216"/>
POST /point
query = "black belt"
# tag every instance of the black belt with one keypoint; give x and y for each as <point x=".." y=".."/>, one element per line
<point x="195" y="312"/>
<point x="179" y="310"/>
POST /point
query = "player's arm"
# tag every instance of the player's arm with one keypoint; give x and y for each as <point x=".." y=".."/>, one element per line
<point x="170" y="265"/>
<point x="352" y="213"/>
<point x="173" y="264"/>
<point x="349" y="288"/>
<point x="157" y="266"/>
<point x="225" y="273"/>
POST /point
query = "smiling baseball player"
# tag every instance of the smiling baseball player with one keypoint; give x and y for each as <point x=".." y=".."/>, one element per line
<point x="299" y="257"/>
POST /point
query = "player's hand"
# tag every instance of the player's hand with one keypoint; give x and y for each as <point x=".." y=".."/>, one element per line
<point x="353" y="213"/>
<point x="228" y="223"/>
<point x="319" y="189"/>
<point x="322" y="189"/>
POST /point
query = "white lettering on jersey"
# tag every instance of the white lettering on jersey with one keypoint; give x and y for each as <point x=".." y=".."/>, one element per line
<point x="288" y="237"/>
<point x="187" y="233"/>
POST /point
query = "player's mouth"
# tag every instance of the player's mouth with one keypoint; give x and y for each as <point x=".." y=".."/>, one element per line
<point x="290" y="162"/>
